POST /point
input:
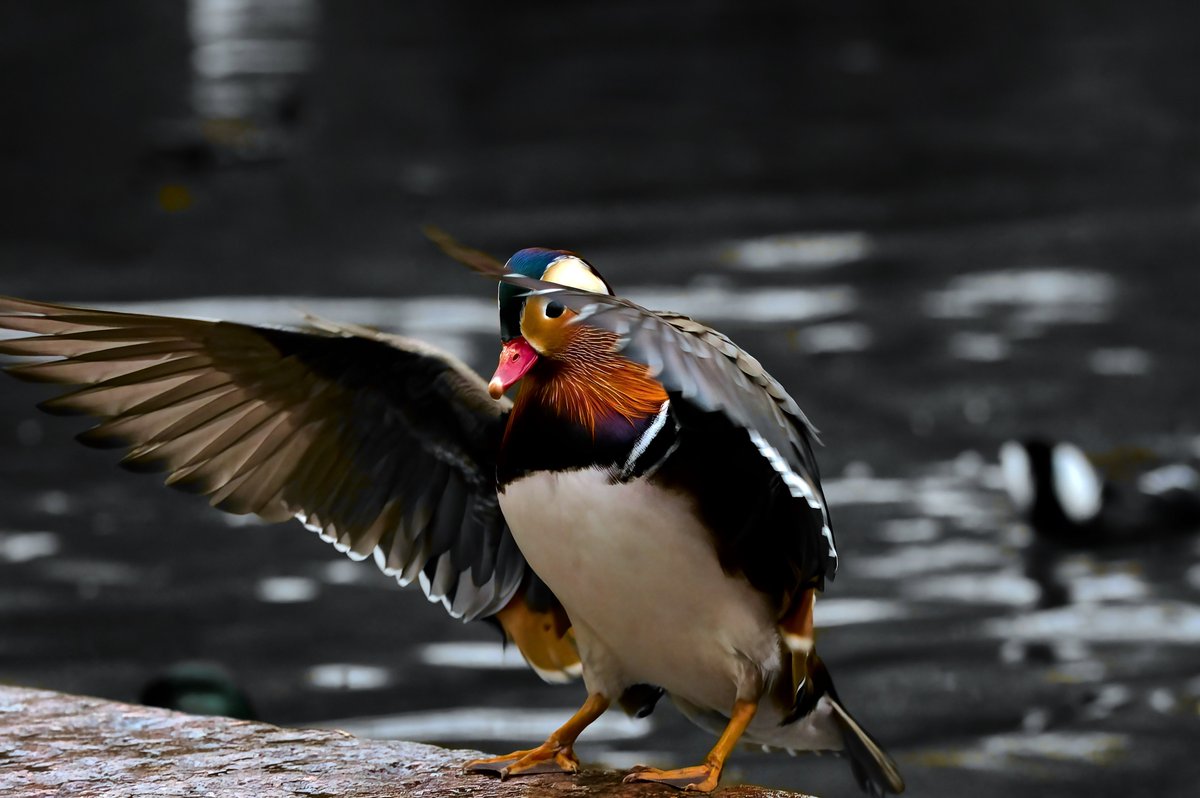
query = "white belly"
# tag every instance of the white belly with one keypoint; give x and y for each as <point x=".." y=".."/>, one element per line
<point x="639" y="578"/>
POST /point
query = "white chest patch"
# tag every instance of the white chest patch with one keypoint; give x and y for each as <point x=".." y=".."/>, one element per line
<point x="639" y="577"/>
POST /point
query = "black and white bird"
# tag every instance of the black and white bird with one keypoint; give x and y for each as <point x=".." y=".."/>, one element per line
<point x="1126" y="494"/>
<point x="647" y="513"/>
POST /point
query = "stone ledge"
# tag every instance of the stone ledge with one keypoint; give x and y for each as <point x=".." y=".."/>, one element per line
<point x="52" y="744"/>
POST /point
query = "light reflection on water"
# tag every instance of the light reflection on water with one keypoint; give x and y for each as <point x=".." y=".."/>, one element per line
<point x="801" y="251"/>
<point x="1027" y="296"/>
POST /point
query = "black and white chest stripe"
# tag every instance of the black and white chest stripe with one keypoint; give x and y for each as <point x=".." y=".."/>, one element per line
<point x="652" y="448"/>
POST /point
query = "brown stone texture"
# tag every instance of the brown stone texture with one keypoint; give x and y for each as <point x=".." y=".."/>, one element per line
<point x="52" y="744"/>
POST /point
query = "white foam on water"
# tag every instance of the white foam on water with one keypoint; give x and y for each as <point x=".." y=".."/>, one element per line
<point x="487" y="723"/>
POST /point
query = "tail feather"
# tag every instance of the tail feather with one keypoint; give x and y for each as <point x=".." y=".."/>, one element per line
<point x="874" y="770"/>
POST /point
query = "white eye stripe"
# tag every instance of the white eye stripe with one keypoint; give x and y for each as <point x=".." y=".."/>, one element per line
<point x="573" y="272"/>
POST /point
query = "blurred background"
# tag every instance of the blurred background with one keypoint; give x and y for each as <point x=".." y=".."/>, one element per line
<point x="941" y="225"/>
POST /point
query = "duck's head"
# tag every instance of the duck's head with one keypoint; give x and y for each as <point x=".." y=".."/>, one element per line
<point x="535" y="327"/>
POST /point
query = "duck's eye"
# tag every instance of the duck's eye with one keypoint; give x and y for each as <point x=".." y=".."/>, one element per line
<point x="554" y="310"/>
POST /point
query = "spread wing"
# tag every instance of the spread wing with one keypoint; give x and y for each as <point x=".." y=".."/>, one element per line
<point x="705" y="371"/>
<point x="382" y="445"/>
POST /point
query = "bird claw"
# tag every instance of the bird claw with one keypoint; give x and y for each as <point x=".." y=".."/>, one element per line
<point x="546" y="758"/>
<point x="701" y="778"/>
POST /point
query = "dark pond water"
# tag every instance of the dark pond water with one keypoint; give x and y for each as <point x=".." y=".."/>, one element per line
<point x="939" y="228"/>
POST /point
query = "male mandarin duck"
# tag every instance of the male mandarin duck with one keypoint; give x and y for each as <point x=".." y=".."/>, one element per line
<point x="647" y="513"/>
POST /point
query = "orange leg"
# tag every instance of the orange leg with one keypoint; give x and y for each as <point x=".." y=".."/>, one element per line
<point x="797" y="627"/>
<point x="797" y="632"/>
<point x="703" y="778"/>
<point x="553" y="756"/>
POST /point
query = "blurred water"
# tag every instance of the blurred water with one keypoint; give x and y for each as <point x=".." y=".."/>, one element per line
<point x="956" y="228"/>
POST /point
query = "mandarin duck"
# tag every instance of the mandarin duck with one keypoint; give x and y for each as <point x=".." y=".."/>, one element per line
<point x="1072" y="497"/>
<point x="646" y="513"/>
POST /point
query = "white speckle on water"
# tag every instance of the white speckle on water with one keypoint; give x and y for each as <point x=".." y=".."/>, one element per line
<point x="857" y="469"/>
<point x="1164" y="622"/>
<point x="1095" y="588"/>
<point x="847" y="336"/>
<point x="345" y="572"/>
<point x="762" y="305"/>
<point x="26" y="546"/>
<point x="1029" y="296"/>
<point x="978" y="347"/>
<point x="469" y="654"/>
<point x="1177" y="476"/>
<point x="1126" y="361"/>
<point x="53" y="502"/>
<point x="969" y="464"/>
<point x="1162" y="700"/>
<point x="1035" y="720"/>
<point x="801" y="251"/>
<point x="342" y="676"/>
<point x="240" y="521"/>
<point x="487" y="723"/>
<point x="867" y="490"/>
<point x="846" y="612"/>
<point x="287" y="589"/>
<point x="909" y="561"/>
<point x="1005" y="588"/>
<point x="909" y="530"/>
<point x="1108" y="698"/>
<point x="1087" y="747"/>
<point x="1006" y="752"/>
<point x="91" y="574"/>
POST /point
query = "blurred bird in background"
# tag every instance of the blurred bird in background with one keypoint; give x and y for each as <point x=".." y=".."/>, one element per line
<point x="1119" y="496"/>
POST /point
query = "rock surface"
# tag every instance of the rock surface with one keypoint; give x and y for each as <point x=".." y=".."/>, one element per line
<point x="53" y="744"/>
